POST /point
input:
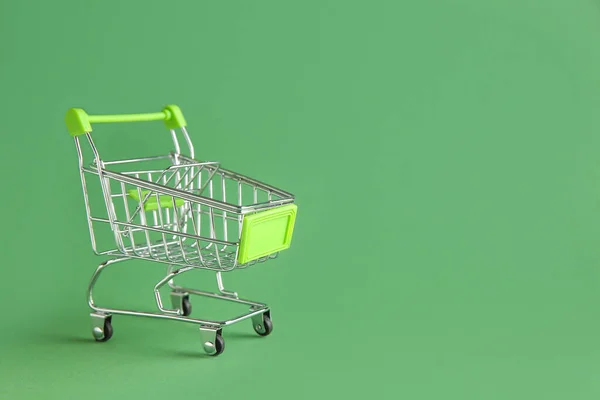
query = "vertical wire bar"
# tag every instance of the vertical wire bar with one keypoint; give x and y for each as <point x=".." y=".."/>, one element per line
<point x="197" y="231"/>
<point x="180" y="221"/>
<point x="184" y="209"/>
<point x="223" y="212"/>
<point x="180" y="238"/>
<point x="190" y="186"/>
<point x="154" y="216"/>
<point x="188" y="141"/>
<point x="167" y="213"/>
<point x="178" y="174"/>
<point x="199" y="210"/>
<point x="176" y="144"/>
<point x="164" y="238"/>
<point x="190" y="177"/>
<point x="88" y="209"/>
<point x="186" y="176"/>
<point x="143" y="219"/>
<point x="127" y="214"/>
<point x="118" y="232"/>
<point x="105" y="185"/>
<point x="113" y="212"/>
<point x="211" y="220"/>
<point x="193" y="178"/>
<point x="213" y="236"/>
<point x="240" y="204"/>
<point x="235" y="257"/>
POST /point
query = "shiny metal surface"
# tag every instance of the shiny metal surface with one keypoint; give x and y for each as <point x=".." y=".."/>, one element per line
<point x="208" y="335"/>
<point x="98" y="320"/>
<point x="177" y="301"/>
<point x="257" y="321"/>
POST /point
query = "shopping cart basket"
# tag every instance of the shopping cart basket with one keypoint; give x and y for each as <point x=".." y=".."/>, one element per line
<point x="175" y="210"/>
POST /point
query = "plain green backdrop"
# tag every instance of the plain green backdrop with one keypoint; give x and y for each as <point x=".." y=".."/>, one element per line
<point x="445" y="159"/>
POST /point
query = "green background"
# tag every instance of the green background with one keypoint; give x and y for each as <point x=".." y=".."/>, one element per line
<point x="444" y="155"/>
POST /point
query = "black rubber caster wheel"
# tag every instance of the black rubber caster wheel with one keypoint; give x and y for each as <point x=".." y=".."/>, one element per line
<point x="186" y="306"/>
<point x="107" y="330"/>
<point x="219" y="345"/>
<point x="266" y="327"/>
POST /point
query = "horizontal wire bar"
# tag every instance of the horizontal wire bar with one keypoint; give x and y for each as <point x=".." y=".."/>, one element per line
<point x="132" y="160"/>
<point x="175" y="233"/>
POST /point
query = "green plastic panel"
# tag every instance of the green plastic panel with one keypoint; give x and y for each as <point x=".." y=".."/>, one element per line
<point x="151" y="203"/>
<point x="266" y="232"/>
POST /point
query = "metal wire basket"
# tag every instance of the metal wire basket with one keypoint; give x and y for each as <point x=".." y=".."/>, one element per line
<point x="182" y="212"/>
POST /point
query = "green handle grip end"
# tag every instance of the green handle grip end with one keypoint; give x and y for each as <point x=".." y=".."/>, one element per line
<point x="176" y="119"/>
<point x="79" y="122"/>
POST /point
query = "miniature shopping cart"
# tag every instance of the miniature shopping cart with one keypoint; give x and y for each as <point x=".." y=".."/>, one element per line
<point x="175" y="210"/>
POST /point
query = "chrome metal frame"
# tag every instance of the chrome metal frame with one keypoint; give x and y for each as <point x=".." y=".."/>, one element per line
<point x="181" y="215"/>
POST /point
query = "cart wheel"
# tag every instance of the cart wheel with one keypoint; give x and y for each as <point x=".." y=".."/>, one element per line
<point x="107" y="331"/>
<point x="186" y="306"/>
<point x="266" y="328"/>
<point x="219" y="345"/>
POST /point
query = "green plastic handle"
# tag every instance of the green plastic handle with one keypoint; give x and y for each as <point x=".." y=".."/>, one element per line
<point x="79" y="122"/>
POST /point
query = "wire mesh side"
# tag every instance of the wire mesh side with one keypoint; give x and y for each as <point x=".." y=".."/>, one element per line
<point x="151" y="225"/>
<point x="171" y="208"/>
